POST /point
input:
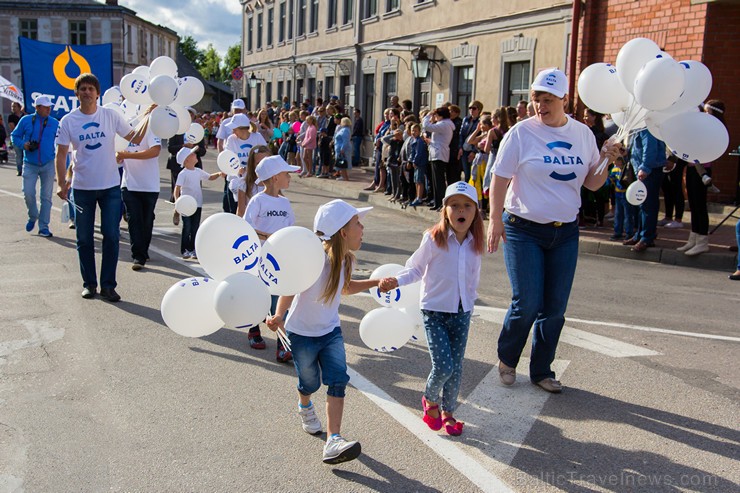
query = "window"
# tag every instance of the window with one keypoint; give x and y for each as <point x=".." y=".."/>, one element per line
<point x="332" y="13"/>
<point x="302" y="17"/>
<point x="389" y="87"/>
<point x="280" y="92"/>
<point x="516" y="81"/>
<point x="29" y="28"/>
<point x="129" y="41"/>
<point x="270" y="22"/>
<point x="343" y="83"/>
<point x="371" y="9"/>
<point x="314" y="24"/>
<point x="289" y="92"/>
<point x="78" y="33"/>
<point x="391" y="5"/>
<point x="328" y="87"/>
<point x="249" y="33"/>
<point x="268" y="92"/>
<point x="368" y="101"/>
<point x="258" y="101"/>
<point x="259" y="31"/>
<point x="347" y="13"/>
<point x="281" y="23"/>
<point x="463" y="86"/>
<point x="311" y="90"/>
<point x="291" y="12"/>
<point x="299" y="92"/>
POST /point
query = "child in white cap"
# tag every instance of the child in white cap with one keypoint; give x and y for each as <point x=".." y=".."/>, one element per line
<point x="267" y="212"/>
<point x="313" y="326"/>
<point x="188" y="183"/>
<point x="448" y="264"/>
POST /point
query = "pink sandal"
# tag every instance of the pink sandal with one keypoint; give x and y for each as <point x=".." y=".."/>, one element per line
<point x="433" y="423"/>
<point x="455" y="429"/>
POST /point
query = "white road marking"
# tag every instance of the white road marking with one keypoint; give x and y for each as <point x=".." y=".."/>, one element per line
<point x="41" y="333"/>
<point x="604" y="345"/>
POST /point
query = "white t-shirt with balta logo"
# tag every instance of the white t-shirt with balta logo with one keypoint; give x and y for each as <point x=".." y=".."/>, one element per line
<point x="142" y="175"/>
<point x="268" y="214"/>
<point x="92" y="137"/>
<point x="547" y="166"/>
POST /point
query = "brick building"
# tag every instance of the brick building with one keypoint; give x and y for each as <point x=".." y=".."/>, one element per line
<point x="704" y="30"/>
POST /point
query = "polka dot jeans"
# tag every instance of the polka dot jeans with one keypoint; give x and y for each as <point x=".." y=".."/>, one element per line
<point x="447" y="336"/>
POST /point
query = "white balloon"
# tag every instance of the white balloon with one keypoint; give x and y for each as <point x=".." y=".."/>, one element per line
<point x="659" y="83"/>
<point x="292" y="260"/>
<point x="187" y="307"/>
<point x="195" y="133"/>
<point x="183" y="118"/>
<point x="112" y="95"/>
<point x="120" y="143"/>
<point x="631" y="57"/>
<point x="695" y="137"/>
<point x="227" y="244"/>
<point x="142" y="70"/>
<point x="163" y="122"/>
<point x="190" y="92"/>
<point x="228" y="162"/>
<point x="419" y="334"/>
<point x="697" y="85"/>
<point x="163" y="89"/>
<point x="186" y="205"/>
<point x="130" y="109"/>
<point x="163" y="65"/>
<point x="386" y="329"/>
<point x="405" y="296"/>
<point x="115" y="107"/>
<point x="242" y="300"/>
<point x="601" y="89"/>
<point x="636" y="193"/>
<point x="134" y="88"/>
<point x="655" y="119"/>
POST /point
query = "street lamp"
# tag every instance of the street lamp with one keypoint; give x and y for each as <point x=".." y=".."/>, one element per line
<point x="253" y="81"/>
<point x="421" y="63"/>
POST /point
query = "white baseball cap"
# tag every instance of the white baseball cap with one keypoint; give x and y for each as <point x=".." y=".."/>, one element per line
<point x="332" y="216"/>
<point x="551" y="80"/>
<point x="461" y="188"/>
<point x="271" y="166"/>
<point x="238" y="104"/>
<point x="43" y="101"/>
<point x="239" y="120"/>
<point x="183" y="154"/>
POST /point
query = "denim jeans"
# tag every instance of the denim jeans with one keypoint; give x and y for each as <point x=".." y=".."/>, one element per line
<point x="447" y="336"/>
<point x="356" y="150"/>
<point x="737" y="238"/>
<point x="623" y="216"/>
<point x="18" y="158"/>
<point x="541" y="262"/>
<point x="190" y="225"/>
<point x="140" y="207"/>
<point x="320" y="359"/>
<point x="31" y="175"/>
<point x="650" y="208"/>
<point x="109" y="201"/>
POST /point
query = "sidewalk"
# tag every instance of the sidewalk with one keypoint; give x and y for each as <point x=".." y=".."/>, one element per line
<point x="593" y="240"/>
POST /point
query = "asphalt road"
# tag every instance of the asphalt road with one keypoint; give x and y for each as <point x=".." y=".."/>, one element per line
<point x="97" y="396"/>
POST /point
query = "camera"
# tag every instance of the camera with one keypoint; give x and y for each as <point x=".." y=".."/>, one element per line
<point x="33" y="145"/>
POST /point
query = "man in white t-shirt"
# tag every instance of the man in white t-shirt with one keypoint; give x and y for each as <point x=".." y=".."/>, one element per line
<point x="140" y="190"/>
<point x="90" y="131"/>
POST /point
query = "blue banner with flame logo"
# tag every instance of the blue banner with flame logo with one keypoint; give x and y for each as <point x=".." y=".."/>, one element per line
<point x="51" y="69"/>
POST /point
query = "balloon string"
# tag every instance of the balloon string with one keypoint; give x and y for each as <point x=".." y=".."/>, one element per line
<point x="282" y="336"/>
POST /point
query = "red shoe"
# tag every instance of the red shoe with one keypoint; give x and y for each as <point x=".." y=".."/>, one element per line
<point x="283" y="356"/>
<point x="433" y="423"/>
<point x="455" y="428"/>
<point x="255" y="340"/>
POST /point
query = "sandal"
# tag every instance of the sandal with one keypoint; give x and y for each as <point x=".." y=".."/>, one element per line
<point x="455" y="429"/>
<point x="433" y="423"/>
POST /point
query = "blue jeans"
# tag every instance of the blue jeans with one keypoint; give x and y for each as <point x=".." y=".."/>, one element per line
<point x="447" y="336"/>
<point x="109" y="201"/>
<point x="356" y="150"/>
<point x="31" y="175"/>
<point x="650" y="208"/>
<point x="737" y="238"/>
<point x="140" y="207"/>
<point x="190" y="225"/>
<point x="320" y="359"/>
<point x="623" y="216"/>
<point x="18" y="158"/>
<point x="541" y="262"/>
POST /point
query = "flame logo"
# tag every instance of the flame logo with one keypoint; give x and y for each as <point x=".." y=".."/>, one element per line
<point x="60" y="67"/>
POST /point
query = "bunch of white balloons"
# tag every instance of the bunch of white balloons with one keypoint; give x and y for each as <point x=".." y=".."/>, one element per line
<point x="648" y="88"/>
<point x="399" y="320"/>
<point x="243" y="274"/>
<point x="158" y="84"/>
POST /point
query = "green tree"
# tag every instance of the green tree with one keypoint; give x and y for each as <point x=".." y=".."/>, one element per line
<point x="211" y="68"/>
<point x="189" y="48"/>
<point x="232" y="59"/>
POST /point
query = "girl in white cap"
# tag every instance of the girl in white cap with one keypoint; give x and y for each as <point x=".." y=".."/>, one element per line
<point x="313" y="328"/>
<point x="448" y="264"/>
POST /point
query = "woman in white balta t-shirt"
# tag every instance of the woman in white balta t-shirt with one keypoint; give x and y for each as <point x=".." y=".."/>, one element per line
<point x="535" y="195"/>
<point x="140" y="190"/>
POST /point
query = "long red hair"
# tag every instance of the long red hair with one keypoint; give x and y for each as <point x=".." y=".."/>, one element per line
<point x="440" y="231"/>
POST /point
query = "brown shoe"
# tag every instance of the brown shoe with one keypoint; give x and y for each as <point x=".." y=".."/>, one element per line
<point x="641" y="246"/>
<point x="630" y="241"/>
<point x="507" y="374"/>
<point x="551" y="385"/>
<point x="176" y="218"/>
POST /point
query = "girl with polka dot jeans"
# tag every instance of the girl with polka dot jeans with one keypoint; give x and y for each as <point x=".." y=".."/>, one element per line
<point x="448" y="264"/>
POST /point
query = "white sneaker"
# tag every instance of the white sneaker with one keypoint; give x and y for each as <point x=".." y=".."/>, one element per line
<point x="338" y="450"/>
<point x="309" y="420"/>
<point x="186" y="254"/>
<point x="674" y="225"/>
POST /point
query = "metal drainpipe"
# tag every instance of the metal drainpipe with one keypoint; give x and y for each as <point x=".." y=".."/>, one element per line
<point x="575" y="22"/>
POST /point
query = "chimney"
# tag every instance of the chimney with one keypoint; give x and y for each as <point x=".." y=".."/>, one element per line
<point x="112" y="2"/>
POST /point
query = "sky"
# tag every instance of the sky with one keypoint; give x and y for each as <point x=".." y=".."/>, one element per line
<point x="207" y="21"/>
